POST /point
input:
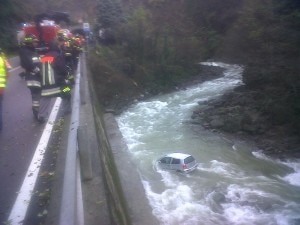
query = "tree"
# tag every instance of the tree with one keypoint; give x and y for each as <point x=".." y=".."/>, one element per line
<point x="9" y="19"/>
<point x="109" y="13"/>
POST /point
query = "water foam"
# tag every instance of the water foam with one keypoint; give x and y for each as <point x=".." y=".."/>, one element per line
<point x="293" y="178"/>
<point x="244" y="205"/>
<point x="178" y="206"/>
<point x="222" y="169"/>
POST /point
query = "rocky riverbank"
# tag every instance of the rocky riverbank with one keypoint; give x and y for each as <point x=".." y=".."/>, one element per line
<point x="237" y="114"/>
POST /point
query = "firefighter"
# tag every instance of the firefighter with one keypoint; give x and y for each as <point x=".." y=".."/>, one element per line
<point x="30" y="62"/>
<point x="65" y="43"/>
<point x="4" y="66"/>
<point x="77" y="44"/>
<point x="54" y="82"/>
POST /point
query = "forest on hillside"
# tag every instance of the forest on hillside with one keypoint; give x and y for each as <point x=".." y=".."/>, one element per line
<point x="149" y="46"/>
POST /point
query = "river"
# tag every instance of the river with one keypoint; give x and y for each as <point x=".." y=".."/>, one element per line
<point x="234" y="184"/>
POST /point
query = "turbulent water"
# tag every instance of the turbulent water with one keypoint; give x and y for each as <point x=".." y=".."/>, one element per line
<point x="235" y="183"/>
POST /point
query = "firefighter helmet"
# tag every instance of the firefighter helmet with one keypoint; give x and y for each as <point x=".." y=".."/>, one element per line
<point x="62" y="35"/>
<point x="30" y="39"/>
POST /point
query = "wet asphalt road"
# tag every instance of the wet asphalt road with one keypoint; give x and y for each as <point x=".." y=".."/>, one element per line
<point x="18" y="139"/>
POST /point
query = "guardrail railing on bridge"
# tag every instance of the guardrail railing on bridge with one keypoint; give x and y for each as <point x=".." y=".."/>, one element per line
<point x="72" y="205"/>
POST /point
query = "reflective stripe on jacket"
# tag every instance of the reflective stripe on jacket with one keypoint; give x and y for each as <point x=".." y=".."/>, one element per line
<point x="51" y="92"/>
<point x="48" y="77"/>
<point x="35" y="59"/>
<point x="33" y="79"/>
<point x="33" y="83"/>
<point x="49" y="85"/>
<point x="3" y="75"/>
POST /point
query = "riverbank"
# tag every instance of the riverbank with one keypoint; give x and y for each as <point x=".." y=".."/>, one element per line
<point x="236" y="115"/>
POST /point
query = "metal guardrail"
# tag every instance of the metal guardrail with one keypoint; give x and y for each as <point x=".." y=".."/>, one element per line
<point x="71" y="212"/>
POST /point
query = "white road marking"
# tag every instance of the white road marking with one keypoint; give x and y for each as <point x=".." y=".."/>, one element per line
<point x="13" y="69"/>
<point x="19" y="210"/>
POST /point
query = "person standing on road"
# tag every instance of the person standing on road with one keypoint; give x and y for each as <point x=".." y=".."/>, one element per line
<point x="54" y="82"/>
<point x="4" y="66"/>
<point x="30" y="62"/>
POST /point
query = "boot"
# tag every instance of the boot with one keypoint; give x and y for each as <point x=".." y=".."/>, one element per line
<point x="35" y="113"/>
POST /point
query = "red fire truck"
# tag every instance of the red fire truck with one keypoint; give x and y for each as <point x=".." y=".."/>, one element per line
<point x="45" y="27"/>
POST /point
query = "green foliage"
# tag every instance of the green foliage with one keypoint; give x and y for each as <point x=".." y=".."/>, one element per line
<point x="266" y="44"/>
<point x="153" y="49"/>
<point x="109" y="13"/>
<point x="8" y="20"/>
<point x="267" y="38"/>
<point x="213" y="14"/>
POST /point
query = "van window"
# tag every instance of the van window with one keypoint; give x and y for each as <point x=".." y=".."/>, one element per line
<point x="189" y="160"/>
<point x="166" y="160"/>
<point x="176" y="161"/>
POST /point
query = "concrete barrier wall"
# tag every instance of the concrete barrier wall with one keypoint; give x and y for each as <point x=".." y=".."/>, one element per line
<point x="125" y="192"/>
<point x="116" y="200"/>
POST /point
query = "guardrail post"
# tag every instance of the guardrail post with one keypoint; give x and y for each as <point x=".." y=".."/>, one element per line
<point x="82" y="85"/>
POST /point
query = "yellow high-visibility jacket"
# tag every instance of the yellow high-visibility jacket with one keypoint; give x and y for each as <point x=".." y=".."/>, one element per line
<point x="3" y="74"/>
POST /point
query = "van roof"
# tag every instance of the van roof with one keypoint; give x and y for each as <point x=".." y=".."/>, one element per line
<point x="178" y="155"/>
